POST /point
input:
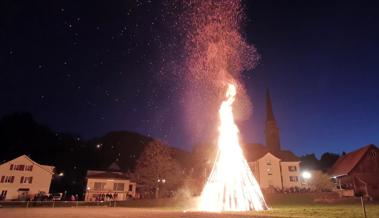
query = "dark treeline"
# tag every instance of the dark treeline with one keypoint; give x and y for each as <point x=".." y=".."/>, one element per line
<point x="310" y="161"/>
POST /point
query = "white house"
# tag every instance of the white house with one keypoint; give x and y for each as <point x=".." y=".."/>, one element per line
<point x="109" y="185"/>
<point x="22" y="178"/>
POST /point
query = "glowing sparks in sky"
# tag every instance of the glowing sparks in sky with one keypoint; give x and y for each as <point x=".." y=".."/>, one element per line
<point x="231" y="185"/>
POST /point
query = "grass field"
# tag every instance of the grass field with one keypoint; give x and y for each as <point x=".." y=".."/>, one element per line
<point x="290" y="206"/>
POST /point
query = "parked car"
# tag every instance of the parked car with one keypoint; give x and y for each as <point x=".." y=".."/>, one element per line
<point x="56" y="196"/>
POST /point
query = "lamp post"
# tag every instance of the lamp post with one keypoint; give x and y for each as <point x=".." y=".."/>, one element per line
<point x="306" y="175"/>
<point x="163" y="181"/>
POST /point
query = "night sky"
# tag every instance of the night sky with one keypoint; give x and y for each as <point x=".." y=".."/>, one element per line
<point x="91" y="67"/>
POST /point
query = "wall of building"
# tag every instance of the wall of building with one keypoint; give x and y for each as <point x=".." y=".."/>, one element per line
<point x="41" y="178"/>
<point x="367" y="170"/>
<point x="109" y="188"/>
<point x="287" y="174"/>
<point x="255" y="169"/>
<point x="269" y="172"/>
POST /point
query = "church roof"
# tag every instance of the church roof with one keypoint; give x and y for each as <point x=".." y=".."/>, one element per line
<point x="254" y="152"/>
<point x="346" y="163"/>
<point x="286" y="156"/>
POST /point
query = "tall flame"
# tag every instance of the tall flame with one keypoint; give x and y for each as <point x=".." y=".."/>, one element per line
<point x="231" y="185"/>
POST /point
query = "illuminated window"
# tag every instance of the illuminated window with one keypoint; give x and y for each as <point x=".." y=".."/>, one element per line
<point x="292" y="168"/>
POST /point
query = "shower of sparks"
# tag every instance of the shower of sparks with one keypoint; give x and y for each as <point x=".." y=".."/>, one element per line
<point x="231" y="185"/>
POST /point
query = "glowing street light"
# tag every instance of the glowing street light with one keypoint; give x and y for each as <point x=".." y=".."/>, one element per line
<point x="306" y="175"/>
<point x="61" y="174"/>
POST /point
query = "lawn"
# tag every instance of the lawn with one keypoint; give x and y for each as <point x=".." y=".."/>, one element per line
<point x="282" y="205"/>
<point x="291" y="206"/>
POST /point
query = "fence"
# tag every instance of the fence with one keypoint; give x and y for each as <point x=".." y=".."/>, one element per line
<point x="52" y="204"/>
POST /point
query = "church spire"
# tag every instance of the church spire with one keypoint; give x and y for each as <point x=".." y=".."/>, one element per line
<point x="269" y="112"/>
<point x="272" y="131"/>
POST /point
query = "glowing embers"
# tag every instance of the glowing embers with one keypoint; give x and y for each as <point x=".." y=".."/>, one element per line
<point x="231" y="185"/>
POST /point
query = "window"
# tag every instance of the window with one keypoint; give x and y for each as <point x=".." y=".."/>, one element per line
<point x="29" y="168"/>
<point x="3" y="194"/>
<point x="98" y="186"/>
<point x="268" y="163"/>
<point x="373" y="155"/>
<point x="130" y="187"/>
<point x="20" y="167"/>
<point x="292" y="168"/>
<point x="11" y="167"/>
<point x="293" y="179"/>
<point x="2" y="179"/>
<point x="269" y="172"/>
<point x="26" y="179"/>
<point x="8" y="179"/>
<point x="118" y="186"/>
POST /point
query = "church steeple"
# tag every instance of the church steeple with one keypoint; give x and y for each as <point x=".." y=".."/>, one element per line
<point x="269" y="113"/>
<point x="272" y="131"/>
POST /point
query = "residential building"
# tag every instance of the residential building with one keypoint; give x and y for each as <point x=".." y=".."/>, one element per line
<point x="357" y="172"/>
<point x="22" y="178"/>
<point x="279" y="170"/>
<point x="109" y="185"/>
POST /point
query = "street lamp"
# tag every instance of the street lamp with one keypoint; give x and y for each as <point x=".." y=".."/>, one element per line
<point x="306" y="175"/>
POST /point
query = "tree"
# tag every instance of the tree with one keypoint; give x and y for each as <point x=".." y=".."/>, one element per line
<point x="320" y="182"/>
<point x="327" y="160"/>
<point x="156" y="169"/>
<point x="309" y="162"/>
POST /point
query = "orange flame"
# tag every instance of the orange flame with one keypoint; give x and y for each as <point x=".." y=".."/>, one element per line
<point x="231" y="185"/>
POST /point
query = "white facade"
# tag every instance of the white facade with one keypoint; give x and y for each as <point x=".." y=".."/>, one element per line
<point x="103" y="189"/>
<point x="22" y="178"/>
<point x="271" y="171"/>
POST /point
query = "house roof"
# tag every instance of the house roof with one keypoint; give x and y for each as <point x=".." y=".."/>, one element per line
<point x="286" y="156"/>
<point x="347" y="162"/>
<point x="49" y="169"/>
<point x="254" y="152"/>
<point x="106" y="175"/>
